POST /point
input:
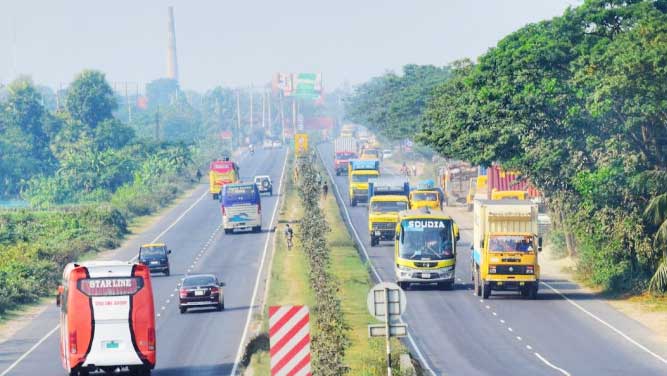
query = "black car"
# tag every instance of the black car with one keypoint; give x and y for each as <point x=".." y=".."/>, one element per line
<point x="201" y="290"/>
<point x="156" y="257"/>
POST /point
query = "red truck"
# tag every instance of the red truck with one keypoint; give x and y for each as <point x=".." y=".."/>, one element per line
<point x="345" y="149"/>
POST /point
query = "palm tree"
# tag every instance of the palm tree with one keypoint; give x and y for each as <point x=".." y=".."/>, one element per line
<point x="656" y="214"/>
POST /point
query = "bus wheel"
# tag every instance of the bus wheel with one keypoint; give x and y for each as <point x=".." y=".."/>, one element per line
<point x="228" y="231"/>
<point x="532" y="292"/>
<point x="445" y="285"/>
<point x="79" y="372"/>
<point x="257" y="229"/>
<point x="166" y="273"/>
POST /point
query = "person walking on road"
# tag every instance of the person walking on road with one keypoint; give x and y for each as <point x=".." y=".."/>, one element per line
<point x="289" y="233"/>
<point x="198" y="175"/>
<point x="325" y="190"/>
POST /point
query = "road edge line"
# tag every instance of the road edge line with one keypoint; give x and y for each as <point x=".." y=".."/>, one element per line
<point x="545" y="361"/>
<point x="240" y="351"/>
<point x="608" y="325"/>
<point x="341" y="204"/>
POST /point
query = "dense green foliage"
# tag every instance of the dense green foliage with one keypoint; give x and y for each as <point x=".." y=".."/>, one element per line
<point x="576" y="104"/>
<point x="86" y="175"/>
<point x="393" y="104"/>
<point x="330" y="340"/>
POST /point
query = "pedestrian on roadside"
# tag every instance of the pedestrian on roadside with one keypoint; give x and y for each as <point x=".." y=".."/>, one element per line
<point x="325" y="190"/>
<point x="414" y="170"/>
<point x="198" y="175"/>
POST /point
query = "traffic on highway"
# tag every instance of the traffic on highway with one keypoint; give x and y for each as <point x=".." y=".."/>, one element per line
<point x="333" y="188"/>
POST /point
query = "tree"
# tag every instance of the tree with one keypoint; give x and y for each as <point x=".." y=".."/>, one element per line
<point x="90" y="100"/>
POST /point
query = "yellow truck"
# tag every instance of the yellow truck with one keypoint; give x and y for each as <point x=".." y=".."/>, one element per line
<point x="221" y="172"/>
<point x="370" y="153"/>
<point x="359" y="171"/>
<point x="478" y="191"/>
<point x="425" y="248"/>
<point x="426" y="196"/>
<point x="386" y="198"/>
<point x="505" y="247"/>
<point x="505" y="195"/>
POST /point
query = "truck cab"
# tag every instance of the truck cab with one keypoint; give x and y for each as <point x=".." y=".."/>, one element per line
<point x="505" y="247"/>
<point x="426" y="196"/>
<point x="386" y="198"/>
<point x="425" y="248"/>
<point x="370" y="154"/>
<point x="359" y="172"/>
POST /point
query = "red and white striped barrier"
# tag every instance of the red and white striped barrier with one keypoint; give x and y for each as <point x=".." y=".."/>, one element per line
<point x="289" y="340"/>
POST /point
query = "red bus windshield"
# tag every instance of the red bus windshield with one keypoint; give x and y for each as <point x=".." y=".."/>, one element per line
<point x="111" y="286"/>
<point x="222" y="166"/>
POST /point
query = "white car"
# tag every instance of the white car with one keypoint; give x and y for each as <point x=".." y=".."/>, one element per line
<point x="267" y="144"/>
<point x="386" y="153"/>
<point x="277" y="144"/>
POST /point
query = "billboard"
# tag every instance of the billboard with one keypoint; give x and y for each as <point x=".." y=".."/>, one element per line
<point x="299" y="85"/>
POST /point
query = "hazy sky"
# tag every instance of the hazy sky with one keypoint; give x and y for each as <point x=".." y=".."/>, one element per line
<point x="237" y="42"/>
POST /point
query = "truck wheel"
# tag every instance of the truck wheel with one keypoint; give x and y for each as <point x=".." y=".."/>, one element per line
<point x="524" y="291"/>
<point x="257" y="229"/>
<point x="486" y="290"/>
<point x="478" y="289"/>
<point x="215" y="196"/>
<point x="183" y="310"/>
<point x="403" y="285"/>
<point x="532" y="295"/>
<point x="353" y="202"/>
<point x="229" y="231"/>
<point x="337" y="173"/>
<point x="166" y="272"/>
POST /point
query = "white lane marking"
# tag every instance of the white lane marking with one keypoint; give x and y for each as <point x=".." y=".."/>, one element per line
<point x="495" y="314"/>
<point x="608" y="325"/>
<point x="510" y="329"/>
<point x="47" y="335"/>
<point x="529" y="347"/>
<point x="25" y="354"/>
<point x="421" y="357"/>
<point x="251" y="308"/>
<point x="502" y="321"/>
<point x="564" y="372"/>
<point x="488" y="307"/>
<point x="518" y="338"/>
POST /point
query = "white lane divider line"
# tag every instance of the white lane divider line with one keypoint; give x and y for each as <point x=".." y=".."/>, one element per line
<point x="608" y="325"/>
<point x="502" y="321"/>
<point x="488" y="307"/>
<point x="47" y="335"/>
<point x="540" y="357"/>
<point x="251" y="306"/>
<point x="529" y="347"/>
<point x="495" y="314"/>
<point x="421" y="357"/>
<point x="518" y="338"/>
<point x="510" y="329"/>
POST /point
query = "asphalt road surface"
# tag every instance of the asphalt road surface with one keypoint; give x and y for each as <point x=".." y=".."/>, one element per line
<point x="565" y="332"/>
<point x="203" y="342"/>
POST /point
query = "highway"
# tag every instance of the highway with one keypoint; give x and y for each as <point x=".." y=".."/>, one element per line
<point x="197" y="343"/>
<point x="565" y="332"/>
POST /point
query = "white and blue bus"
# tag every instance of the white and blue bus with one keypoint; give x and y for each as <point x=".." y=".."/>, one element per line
<point x="241" y="207"/>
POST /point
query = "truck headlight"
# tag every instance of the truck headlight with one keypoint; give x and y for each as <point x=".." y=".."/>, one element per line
<point x="403" y="268"/>
<point x="492" y="269"/>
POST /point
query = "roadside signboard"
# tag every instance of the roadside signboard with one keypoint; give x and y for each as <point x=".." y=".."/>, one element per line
<point x="387" y="302"/>
<point x="300" y="144"/>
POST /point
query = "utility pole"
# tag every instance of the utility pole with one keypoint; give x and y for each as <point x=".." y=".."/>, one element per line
<point x="264" y="111"/>
<point x="268" y="95"/>
<point x="251" y="119"/>
<point x="238" y="116"/>
<point x="282" y="116"/>
<point x="129" y="106"/>
<point x="294" y="114"/>
<point x="157" y="124"/>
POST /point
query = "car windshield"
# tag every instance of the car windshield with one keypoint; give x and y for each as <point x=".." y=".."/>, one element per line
<point x="371" y="153"/>
<point x="152" y="251"/>
<point x="425" y="196"/>
<point x="200" y="280"/>
<point x="388" y="206"/>
<point x="362" y="178"/>
<point x="511" y="243"/>
<point x="426" y="240"/>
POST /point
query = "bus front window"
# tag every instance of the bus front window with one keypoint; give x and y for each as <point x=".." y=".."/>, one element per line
<point x="426" y="240"/>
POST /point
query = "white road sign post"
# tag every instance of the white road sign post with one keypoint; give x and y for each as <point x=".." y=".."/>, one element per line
<point x="387" y="302"/>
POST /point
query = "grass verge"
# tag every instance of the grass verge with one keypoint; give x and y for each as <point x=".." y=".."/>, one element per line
<point x="289" y="285"/>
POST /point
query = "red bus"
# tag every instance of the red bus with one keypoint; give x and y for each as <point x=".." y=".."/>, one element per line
<point x="107" y="318"/>
<point x="221" y="172"/>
